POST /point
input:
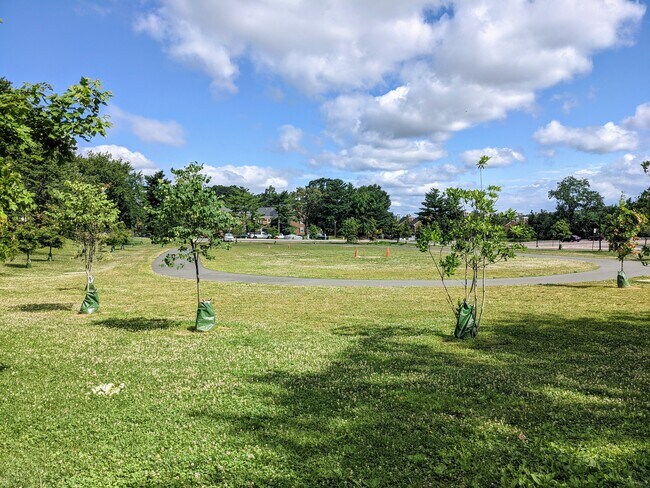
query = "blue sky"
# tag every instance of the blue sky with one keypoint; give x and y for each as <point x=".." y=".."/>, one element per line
<point x="403" y="94"/>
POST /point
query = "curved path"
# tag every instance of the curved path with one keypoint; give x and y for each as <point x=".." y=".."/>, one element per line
<point x="607" y="271"/>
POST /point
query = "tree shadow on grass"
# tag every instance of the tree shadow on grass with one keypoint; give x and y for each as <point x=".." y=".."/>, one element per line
<point x="137" y="324"/>
<point x="527" y="400"/>
<point x="3" y="367"/>
<point x="44" y="307"/>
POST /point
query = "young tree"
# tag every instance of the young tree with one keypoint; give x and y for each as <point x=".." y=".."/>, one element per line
<point x="313" y="231"/>
<point x="191" y="215"/>
<point x="86" y="216"/>
<point x="119" y="236"/>
<point x="560" y="230"/>
<point x="350" y="229"/>
<point x="50" y="237"/>
<point x="474" y="241"/>
<point x="620" y="230"/>
<point x="27" y="238"/>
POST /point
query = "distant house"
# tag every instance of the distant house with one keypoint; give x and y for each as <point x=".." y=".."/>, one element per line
<point x="518" y="220"/>
<point x="414" y="222"/>
<point x="269" y="214"/>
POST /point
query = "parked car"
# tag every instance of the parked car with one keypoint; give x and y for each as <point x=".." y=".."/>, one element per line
<point x="228" y="237"/>
<point x="293" y="237"/>
<point x="575" y="238"/>
<point x="259" y="235"/>
<point x="321" y="237"/>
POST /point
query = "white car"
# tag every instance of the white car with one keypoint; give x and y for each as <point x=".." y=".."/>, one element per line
<point x="228" y="237"/>
<point x="293" y="237"/>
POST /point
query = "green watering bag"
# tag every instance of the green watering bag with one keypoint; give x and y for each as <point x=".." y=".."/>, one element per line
<point x="91" y="302"/>
<point x="621" y="280"/>
<point x="465" y="325"/>
<point x="205" y="318"/>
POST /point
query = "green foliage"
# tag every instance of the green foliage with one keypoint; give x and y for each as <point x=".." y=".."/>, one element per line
<point x="190" y="214"/>
<point x="521" y="232"/>
<point x="39" y="128"/>
<point x="572" y="196"/>
<point x="86" y="215"/>
<point x="621" y="228"/>
<point x="28" y="238"/>
<point x="350" y="229"/>
<point x="438" y="209"/>
<point x="561" y="231"/>
<point x="313" y="231"/>
<point x="474" y="241"/>
<point x="119" y="236"/>
<point x="14" y="201"/>
<point x="123" y="185"/>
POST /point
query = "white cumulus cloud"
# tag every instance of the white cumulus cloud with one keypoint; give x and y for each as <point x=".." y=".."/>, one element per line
<point x="168" y="132"/>
<point x="499" y="156"/>
<point x="641" y="118"/>
<point x="393" y="154"/>
<point x="255" y="178"/>
<point x="138" y="160"/>
<point x="290" y="138"/>
<point x="599" y="139"/>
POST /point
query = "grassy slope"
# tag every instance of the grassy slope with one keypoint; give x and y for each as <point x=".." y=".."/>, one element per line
<point x="317" y="386"/>
<point x="278" y="258"/>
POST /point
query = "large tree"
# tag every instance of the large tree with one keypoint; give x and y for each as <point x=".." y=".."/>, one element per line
<point x="39" y="130"/>
<point x="334" y="205"/>
<point x="439" y="209"/>
<point x="192" y="216"/>
<point x="370" y="206"/>
<point x="573" y="195"/>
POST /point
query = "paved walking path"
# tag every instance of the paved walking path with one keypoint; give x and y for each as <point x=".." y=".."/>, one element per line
<point x="607" y="271"/>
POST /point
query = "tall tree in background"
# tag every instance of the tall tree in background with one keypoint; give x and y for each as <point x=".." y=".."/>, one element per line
<point x="439" y="209"/>
<point x="191" y="215"/>
<point x="335" y="203"/>
<point x="573" y="195"/>
<point x="306" y="202"/>
<point x="124" y="186"/>
<point x="370" y="207"/>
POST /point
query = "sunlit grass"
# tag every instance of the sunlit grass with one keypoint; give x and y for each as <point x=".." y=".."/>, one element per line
<point x="315" y="260"/>
<point x="301" y="386"/>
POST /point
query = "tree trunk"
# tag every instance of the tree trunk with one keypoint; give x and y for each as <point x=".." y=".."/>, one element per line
<point x="196" y="268"/>
<point x="29" y="260"/>
<point x="50" y="256"/>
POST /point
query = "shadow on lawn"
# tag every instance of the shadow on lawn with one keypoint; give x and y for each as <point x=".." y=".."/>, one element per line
<point x="563" y="400"/>
<point x="137" y="324"/>
<point x="44" y="307"/>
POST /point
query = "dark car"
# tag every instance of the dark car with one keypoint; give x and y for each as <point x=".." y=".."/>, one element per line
<point x="575" y="238"/>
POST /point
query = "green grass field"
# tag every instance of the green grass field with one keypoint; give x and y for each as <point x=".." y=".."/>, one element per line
<point x="301" y="386"/>
<point x="309" y="260"/>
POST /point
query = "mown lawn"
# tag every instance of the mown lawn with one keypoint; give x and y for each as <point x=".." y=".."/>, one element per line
<point x="317" y="386"/>
<point x="316" y="260"/>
